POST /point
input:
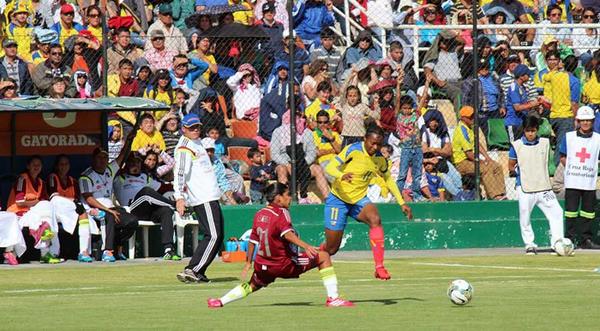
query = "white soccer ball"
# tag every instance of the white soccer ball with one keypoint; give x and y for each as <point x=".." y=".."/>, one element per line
<point x="460" y="292"/>
<point x="564" y="247"/>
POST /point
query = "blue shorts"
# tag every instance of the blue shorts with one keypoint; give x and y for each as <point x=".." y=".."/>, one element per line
<point x="337" y="211"/>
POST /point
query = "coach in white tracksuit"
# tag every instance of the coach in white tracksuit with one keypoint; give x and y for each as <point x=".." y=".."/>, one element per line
<point x="196" y="186"/>
<point x="528" y="158"/>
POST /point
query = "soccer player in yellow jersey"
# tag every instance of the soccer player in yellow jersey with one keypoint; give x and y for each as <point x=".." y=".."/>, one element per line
<point x="353" y="169"/>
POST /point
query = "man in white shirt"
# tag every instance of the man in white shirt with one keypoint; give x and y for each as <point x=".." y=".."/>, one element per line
<point x="196" y="186"/>
<point x="141" y="193"/>
<point x="96" y="187"/>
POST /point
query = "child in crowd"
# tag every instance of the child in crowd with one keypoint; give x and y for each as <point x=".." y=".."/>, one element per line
<point x="148" y="135"/>
<point x="378" y="191"/>
<point x="232" y="194"/>
<point x="468" y="189"/>
<point x="354" y="113"/>
<point x="115" y="141"/>
<point x="169" y="128"/>
<point x="83" y="87"/>
<point x="432" y="186"/>
<point x="259" y="176"/>
<point x="214" y="134"/>
<point x="411" y="154"/>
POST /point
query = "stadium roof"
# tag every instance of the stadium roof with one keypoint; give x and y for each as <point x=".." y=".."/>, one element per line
<point x="37" y="104"/>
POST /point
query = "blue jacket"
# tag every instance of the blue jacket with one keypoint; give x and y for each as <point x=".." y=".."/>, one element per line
<point x="25" y="81"/>
<point x="58" y="28"/>
<point x="272" y="107"/>
<point x="275" y="41"/>
<point x="311" y="18"/>
<point x="192" y="75"/>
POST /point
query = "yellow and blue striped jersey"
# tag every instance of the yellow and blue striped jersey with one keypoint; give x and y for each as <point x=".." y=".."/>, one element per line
<point x="355" y="159"/>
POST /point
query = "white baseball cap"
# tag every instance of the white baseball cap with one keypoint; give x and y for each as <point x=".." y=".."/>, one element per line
<point x="208" y="143"/>
<point x="585" y="113"/>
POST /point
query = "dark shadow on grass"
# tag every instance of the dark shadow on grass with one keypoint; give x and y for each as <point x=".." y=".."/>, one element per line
<point x="224" y="279"/>
<point x="385" y="302"/>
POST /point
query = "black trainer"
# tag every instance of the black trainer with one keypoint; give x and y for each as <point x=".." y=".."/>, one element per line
<point x="530" y="251"/>
<point x="189" y="276"/>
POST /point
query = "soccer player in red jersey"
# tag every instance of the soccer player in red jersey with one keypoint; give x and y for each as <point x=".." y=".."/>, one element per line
<point x="277" y="257"/>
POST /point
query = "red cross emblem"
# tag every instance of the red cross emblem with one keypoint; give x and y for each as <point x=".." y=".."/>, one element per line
<point x="583" y="155"/>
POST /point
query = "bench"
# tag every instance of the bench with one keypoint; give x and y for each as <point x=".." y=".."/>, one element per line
<point x="180" y="224"/>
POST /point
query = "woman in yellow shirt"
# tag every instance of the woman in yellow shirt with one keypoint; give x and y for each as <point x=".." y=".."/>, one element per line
<point x="591" y="89"/>
<point x="161" y="91"/>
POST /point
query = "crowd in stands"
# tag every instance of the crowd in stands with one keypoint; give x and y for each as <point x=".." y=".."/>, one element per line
<point x="240" y="88"/>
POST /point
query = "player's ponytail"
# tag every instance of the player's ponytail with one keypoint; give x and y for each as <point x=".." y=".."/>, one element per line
<point x="273" y="190"/>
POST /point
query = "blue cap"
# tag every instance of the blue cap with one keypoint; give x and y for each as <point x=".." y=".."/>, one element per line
<point x="521" y="70"/>
<point x="190" y="120"/>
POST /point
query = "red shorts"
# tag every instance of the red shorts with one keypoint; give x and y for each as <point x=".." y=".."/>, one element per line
<point x="265" y="275"/>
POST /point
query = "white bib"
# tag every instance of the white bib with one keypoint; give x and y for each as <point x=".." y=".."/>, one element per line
<point x="581" y="167"/>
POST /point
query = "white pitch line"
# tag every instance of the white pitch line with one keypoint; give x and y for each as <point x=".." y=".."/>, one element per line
<point x="500" y="267"/>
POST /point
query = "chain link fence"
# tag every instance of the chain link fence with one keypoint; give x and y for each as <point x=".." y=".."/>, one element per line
<point x="404" y="68"/>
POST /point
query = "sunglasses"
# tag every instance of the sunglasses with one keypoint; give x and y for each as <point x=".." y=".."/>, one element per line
<point x="589" y="16"/>
<point x="324" y="69"/>
<point x="94" y="15"/>
<point x="69" y="14"/>
<point x="11" y="87"/>
<point x="193" y="128"/>
<point x="81" y="76"/>
<point x="323" y="122"/>
<point x="56" y="53"/>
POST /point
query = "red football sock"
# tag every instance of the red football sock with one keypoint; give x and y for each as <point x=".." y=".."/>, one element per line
<point x="377" y="245"/>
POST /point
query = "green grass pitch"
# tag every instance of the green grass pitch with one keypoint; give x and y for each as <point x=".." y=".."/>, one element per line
<point x="511" y="293"/>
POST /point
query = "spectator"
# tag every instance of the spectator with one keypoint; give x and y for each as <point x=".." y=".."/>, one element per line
<point x="563" y="90"/>
<point x="467" y="193"/>
<point x="542" y="65"/>
<point x="464" y="157"/>
<point x="442" y="64"/>
<point x="362" y="47"/>
<point x="301" y="59"/>
<point x="327" y="52"/>
<point x="554" y="13"/>
<point x="176" y="41"/>
<point x="517" y="10"/>
<point x="157" y="164"/>
<point x="354" y="113"/>
<point x="386" y="98"/>
<point x="465" y="7"/>
<point x="491" y="98"/>
<point x="328" y="142"/>
<point x="274" y="104"/>
<point x="321" y="102"/>
<point x="411" y="155"/>
<point x="148" y="135"/>
<point x="518" y="104"/>
<point x="58" y="87"/>
<point x="20" y="31"/>
<point x="122" y="49"/>
<point x="43" y="39"/>
<point x="406" y="37"/>
<point x="143" y="76"/>
<point x="182" y="9"/>
<point x="214" y="134"/>
<point x="53" y="67"/>
<point x="93" y="17"/>
<point x="66" y="27"/>
<point x="115" y="139"/>
<point x="277" y="80"/>
<point x="583" y="38"/>
<point x="310" y="18"/>
<point x="209" y="110"/>
<point x="82" y="85"/>
<point x="122" y="83"/>
<point x="182" y="77"/>
<point x="508" y="78"/>
<point x="403" y="63"/>
<point x="272" y="28"/>
<point x="161" y="90"/>
<point x="15" y="68"/>
<point x="8" y="89"/>
<point x="245" y="17"/>
<point x="83" y="53"/>
<point x="317" y="72"/>
<point x="169" y="128"/>
<point x="203" y="53"/>
<point x="430" y="16"/>
<point x="591" y="89"/>
<point x="259" y="176"/>
<point x="437" y="149"/>
<point x="306" y="156"/>
<point x="281" y="13"/>
<point x="227" y="192"/>
<point x="484" y="52"/>
<point x="245" y="85"/>
<point x="158" y="55"/>
<point x="432" y="186"/>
